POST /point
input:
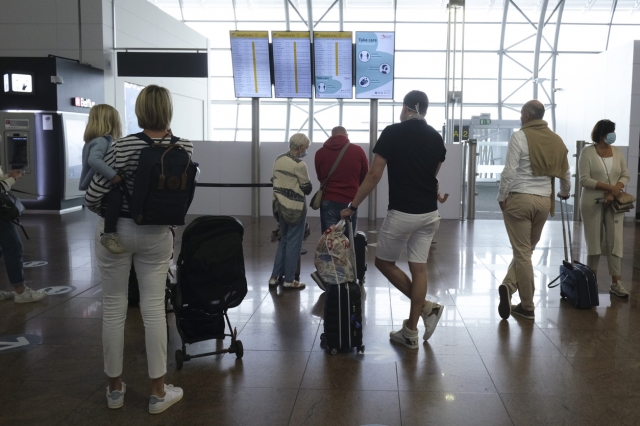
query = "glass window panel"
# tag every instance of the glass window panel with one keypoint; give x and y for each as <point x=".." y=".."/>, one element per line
<point x="420" y="64"/>
<point x="482" y="36"/>
<point x="298" y="116"/>
<point x="223" y="116"/>
<point x="624" y="15"/>
<point x="208" y="9"/>
<point x="220" y="63"/>
<point x="583" y="37"/>
<point x="223" y="135"/>
<point x="421" y="10"/>
<point x="481" y="65"/>
<point x="599" y="13"/>
<point x="243" y="136"/>
<point x="365" y="26"/>
<point x="524" y="94"/>
<point x="476" y="92"/>
<point x="385" y="116"/>
<point x="249" y="10"/>
<point x="512" y="65"/>
<point x="509" y="114"/>
<point x="320" y="8"/>
<point x="624" y="34"/>
<point x="368" y="10"/>
<point x="272" y="116"/>
<point x="272" y="136"/>
<point x="262" y="26"/>
<point x="244" y="117"/>
<point x="217" y="33"/>
<point x="513" y="15"/>
<point x="517" y="33"/>
<point x="328" y="118"/>
<point x="355" y="117"/>
<point x="326" y="26"/>
<point x="435" y="117"/>
<point x="433" y="88"/>
<point x="222" y="89"/>
<point x="469" y="112"/>
<point x="421" y="36"/>
<point x="478" y="11"/>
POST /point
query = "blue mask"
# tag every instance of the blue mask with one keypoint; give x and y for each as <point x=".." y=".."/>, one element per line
<point x="304" y="154"/>
<point x="611" y="138"/>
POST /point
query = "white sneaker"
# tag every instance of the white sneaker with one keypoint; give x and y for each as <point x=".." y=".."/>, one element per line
<point x="29" y="295"/>
<point x="6" y="295"/>
<point x="618" y="289"/>
<point x="406" y="337"/>
<point x="431" y="319"/>
<point x="297" y="285"/>
<point x="115" y="399"/>
<point x="172" y="395"/>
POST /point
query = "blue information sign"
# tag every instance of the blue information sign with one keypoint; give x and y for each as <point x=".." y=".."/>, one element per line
<point x="374" y="65"/>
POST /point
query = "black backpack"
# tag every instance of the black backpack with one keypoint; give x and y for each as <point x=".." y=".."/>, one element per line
<point x="164" y="185"/>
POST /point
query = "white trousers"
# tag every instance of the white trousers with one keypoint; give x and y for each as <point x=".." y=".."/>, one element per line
<point x="149" y="248"/>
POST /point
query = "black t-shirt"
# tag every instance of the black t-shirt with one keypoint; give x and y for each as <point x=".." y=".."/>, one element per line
<point x="413" y="150"/>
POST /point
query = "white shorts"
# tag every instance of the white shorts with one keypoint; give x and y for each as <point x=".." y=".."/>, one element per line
<point x="415" y="231"/>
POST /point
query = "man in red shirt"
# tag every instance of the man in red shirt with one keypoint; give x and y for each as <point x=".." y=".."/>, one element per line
<point x="345" y="180"/>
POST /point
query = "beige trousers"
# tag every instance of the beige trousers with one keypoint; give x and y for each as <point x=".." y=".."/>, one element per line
<point x="607" y="236"/>
<point x="524" y="218"/>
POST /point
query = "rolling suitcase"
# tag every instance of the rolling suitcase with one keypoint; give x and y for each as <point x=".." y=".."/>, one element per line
<point x="343" y="314"/>
<point x="578" y="283"/>
<point x="360" y="246"/>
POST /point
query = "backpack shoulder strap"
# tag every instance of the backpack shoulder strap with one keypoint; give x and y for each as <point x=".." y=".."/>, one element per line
<point x="144" y="137"/>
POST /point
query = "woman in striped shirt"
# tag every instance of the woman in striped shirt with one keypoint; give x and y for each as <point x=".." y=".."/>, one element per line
<point x="149" y="247"/>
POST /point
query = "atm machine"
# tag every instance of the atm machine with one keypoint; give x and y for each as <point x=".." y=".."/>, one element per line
<point x="42" y="127"/>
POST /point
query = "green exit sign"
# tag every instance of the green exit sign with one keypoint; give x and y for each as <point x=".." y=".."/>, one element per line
<point x="485" y="121"/>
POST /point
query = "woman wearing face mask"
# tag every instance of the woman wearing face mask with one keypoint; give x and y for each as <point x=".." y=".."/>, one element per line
<point x="290" y="185"/>
<point x="603" y="174"/>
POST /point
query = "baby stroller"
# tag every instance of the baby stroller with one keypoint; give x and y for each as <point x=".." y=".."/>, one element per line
<point x="211" y="279"/>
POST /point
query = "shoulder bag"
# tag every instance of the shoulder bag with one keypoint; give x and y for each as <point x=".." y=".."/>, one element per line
<point x="317" y="197"/>
<point x="11" y="208"/>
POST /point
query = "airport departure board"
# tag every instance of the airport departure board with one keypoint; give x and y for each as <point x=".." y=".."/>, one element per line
<point x="333" y="64"/>
<point x="251" y="64"/>
<point x="292" y="64"/>
<point x="374" y="65"/>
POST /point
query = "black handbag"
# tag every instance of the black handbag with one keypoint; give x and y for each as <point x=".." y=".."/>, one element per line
<point x="11" y="208"/>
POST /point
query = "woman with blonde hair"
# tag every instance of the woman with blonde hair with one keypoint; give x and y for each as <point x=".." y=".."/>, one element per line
<point x="148" y="247"/>
<point x="290" y="185"/>
<point x="103" y="127"/>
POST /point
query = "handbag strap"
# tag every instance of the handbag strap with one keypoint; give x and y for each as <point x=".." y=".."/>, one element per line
<point x="335" y="165"/>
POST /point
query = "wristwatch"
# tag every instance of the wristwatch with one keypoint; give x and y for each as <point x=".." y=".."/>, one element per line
<point x="355" y="209"/>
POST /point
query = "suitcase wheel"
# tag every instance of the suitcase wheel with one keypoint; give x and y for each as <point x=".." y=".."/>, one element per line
<point x="179" y="359"/>
<point x="239" y="349"/>
<point x="361" y="281"/>
<point x="564" y="296"/>
<point x="334" y="351"/>
<point x="323" y="338"/>
<point x="360" y="349"/>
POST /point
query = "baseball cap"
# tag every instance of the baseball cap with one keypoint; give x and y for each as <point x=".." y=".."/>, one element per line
<point x="417" y="101"/>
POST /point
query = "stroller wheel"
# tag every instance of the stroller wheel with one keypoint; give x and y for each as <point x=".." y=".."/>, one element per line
<point x="179" y="359"/>
<point x="239" y="349"/>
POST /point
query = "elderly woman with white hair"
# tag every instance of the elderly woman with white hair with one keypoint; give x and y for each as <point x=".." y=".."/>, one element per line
<point x="290" y="185"/>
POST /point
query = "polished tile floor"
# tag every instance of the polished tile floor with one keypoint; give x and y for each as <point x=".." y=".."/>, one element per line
<point x="569" y="367"/>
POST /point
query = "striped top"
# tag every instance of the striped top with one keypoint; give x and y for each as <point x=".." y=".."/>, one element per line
<point x="290" y="185"/>
<point x="122" y="156"/>
<point x="6" y="182"/>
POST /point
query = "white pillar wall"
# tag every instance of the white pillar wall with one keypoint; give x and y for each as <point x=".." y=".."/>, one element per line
<point x="230" y="162"/>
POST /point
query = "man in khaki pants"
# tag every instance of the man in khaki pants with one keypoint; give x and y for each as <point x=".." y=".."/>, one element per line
<point x="535" y="157"/>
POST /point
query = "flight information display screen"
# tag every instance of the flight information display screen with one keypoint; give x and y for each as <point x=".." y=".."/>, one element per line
<point x="251" y="64"/>
<point x="333" y="56"/>
<point x="292" y="64"/>
<point x="374" y="65"/>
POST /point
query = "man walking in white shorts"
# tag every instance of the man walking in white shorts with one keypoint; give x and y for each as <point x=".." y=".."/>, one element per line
<point x="414" y="151"/>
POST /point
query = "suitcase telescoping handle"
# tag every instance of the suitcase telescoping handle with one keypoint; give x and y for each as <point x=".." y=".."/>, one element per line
<point x="564" y="232"/>
<point x="349" y="223"/>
